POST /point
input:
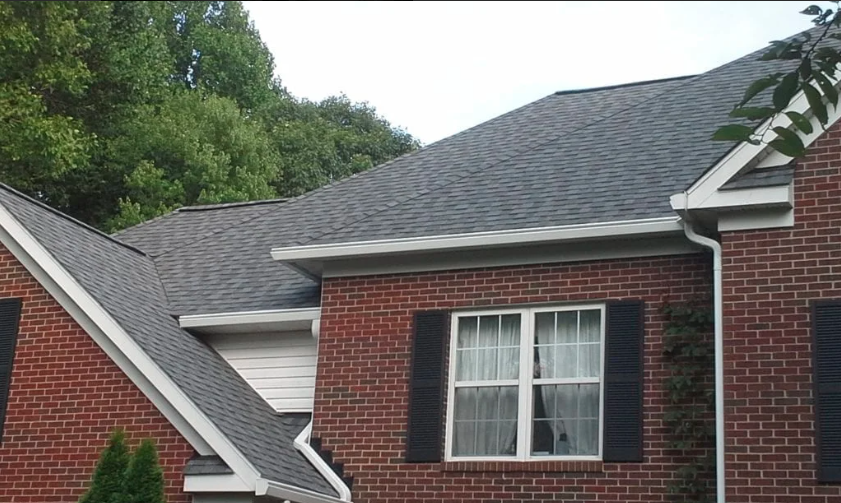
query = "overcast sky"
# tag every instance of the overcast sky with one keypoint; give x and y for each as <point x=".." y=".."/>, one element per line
<point x="438" y="68"/>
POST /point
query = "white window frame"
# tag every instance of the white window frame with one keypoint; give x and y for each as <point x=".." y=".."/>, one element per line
<point x="524" y="382"/>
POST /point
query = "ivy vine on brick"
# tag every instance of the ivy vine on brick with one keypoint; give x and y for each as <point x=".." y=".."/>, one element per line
<point x="688" y="349"/>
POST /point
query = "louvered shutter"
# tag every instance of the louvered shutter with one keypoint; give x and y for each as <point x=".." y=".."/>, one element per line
<point x="826" y="333"/>
<point x="9" y="319"/>
<point x="623" y="382"/>
<point x="426" y="387"/>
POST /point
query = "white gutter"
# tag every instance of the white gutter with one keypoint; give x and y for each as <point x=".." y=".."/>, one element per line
<point x="719" y="356"/>
<point x="286" y="492"/>
<point x="302" y="443"/>
<point x="276" y="320"/>
<point x="518" y="237"/>
<point x="249" y="317"/>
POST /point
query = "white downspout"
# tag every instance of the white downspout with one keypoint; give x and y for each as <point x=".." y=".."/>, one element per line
<point x="719" y="356"/>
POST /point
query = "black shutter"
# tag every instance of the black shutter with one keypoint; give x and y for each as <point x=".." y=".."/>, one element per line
<point x="623" y="381"/>
<point x="9" y="318"/>
<point x="826" y="331"/>
<point x="426" y="388"/>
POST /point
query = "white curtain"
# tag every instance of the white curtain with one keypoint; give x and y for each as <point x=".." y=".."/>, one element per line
<point x="486" y="416"/>
<point x="567" y="344"/>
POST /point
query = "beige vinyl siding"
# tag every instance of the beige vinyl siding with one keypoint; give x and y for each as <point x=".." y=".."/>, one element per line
<point x="280" y="366"/>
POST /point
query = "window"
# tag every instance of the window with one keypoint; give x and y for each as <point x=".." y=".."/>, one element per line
<point x="526" y="384"/>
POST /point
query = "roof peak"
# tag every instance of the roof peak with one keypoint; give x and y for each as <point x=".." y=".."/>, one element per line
<point x="622" y="86"/>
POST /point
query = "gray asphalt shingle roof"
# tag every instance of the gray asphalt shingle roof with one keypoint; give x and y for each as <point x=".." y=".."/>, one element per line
<point x="191" y="223"/>
<point x="125" y="283"/>
<point x="599" y="155"/>
<point x="766" y="177"/>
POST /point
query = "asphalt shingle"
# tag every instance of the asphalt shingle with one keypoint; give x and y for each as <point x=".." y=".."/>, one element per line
<point x="766" y="177"/>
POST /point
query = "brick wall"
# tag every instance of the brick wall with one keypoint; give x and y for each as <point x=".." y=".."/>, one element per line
<point x="770" y="277"/>
<point x="362" y="382"/>
<point x="66" y="397"/>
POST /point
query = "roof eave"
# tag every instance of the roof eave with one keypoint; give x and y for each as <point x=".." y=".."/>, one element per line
<point x="312" y="258"/>
<point x="276" y="320"/>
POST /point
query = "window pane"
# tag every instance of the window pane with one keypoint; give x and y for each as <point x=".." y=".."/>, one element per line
<point x="488" y="348"/>
<point x="467" y="330"/>
<point x="565" y="420"/>
<point x="576" y="350"/>
<point x="544" y="328"/>
<point x="485" y="421"/>
<point x="589" y="360"/>
<point x="591" y="326"/>
<point x="567" y="326"/>
<point x="566" y="361"/>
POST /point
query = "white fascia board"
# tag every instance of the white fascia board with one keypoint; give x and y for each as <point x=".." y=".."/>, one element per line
<point x="745" y="154"/>
<point x="276" y="320"/>
<point x="222" y="483"/>
<point x="515" y="237"/>
<point x="769" y="218"/>
<point x="212" y="441"/>
<point x="302" y="443"/>
<point x="775" y="196"/>
<point x="281" y="491"/>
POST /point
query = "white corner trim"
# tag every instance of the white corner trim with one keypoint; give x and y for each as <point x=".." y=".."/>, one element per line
<point x="302" y="443"/>
<point x="479" y="239"/>
<point x="744" y="154"/>
<point x="62" y="281"/>
<point x="274" y="489"/>
<point x="277" y="320"/>
<point x="222" y="483"/>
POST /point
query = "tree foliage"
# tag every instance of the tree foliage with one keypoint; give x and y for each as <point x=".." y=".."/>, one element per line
<point x="144" y="478"/>
<point x="122" y="477"/>
<point x="107" y="481"/>
<point x="813" y="58"/>
<point x="116" y="112"/>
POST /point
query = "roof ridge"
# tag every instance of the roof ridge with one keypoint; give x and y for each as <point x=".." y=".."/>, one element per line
<point x="623" y="86"/>
<point x="471" y="172"/>
<point x="73" y="220"/>
<point x="221" y="206"/>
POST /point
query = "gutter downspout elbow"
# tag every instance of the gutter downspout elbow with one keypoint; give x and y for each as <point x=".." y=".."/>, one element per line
<point x="718" y="322"/>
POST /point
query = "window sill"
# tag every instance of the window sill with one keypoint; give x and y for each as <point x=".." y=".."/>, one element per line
<point x="524" y="466"/>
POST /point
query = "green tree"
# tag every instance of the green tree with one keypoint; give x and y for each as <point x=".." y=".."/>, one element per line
<point x="329" y="140"/>
<point x="107" y="481"/>
<point x="144" y="478"/>
<point x="812" y="60"/>
<point x="192" y="150"/>
<point x="115" y="112"/>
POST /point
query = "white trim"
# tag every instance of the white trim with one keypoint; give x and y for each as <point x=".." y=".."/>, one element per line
<point x="760" y="219"/>
<point x="275" y="320"/>
<point x="122" y="342"/>
<point x="764" y="197"/>
<point x="270" y="488"/>
<point x="221" y="483"/>
<point x="525" y="382"/>
<point x="744" y="155"/>
<point x="302" y="443"/>
<point x="478" y="239"/>
<point x="607" y="249"/>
